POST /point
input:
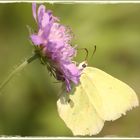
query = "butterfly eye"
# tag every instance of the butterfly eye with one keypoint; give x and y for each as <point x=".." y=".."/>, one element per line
<point x="84" y="65"/>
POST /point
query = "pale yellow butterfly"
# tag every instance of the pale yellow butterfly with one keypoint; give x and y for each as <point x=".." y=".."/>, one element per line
<point x="98" y="98"/>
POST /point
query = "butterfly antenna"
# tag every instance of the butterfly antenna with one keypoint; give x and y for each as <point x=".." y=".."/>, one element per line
<point x="86" y="51"/>
<point x="93" y="53"/>
<point x="94" y="50"/>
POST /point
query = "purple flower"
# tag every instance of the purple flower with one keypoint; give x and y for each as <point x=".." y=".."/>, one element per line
<point x="53" y="40"/>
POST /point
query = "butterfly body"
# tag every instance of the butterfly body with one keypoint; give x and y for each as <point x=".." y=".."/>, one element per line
<point x="99" y="97"/>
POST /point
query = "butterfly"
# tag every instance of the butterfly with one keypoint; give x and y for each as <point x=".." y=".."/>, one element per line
<point x="99" y="97"/>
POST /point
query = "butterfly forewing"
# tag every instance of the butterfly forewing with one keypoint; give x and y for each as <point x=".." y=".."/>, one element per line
<point x="110" y="96"/>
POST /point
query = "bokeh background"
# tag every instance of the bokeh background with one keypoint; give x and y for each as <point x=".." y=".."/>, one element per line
<point x="28" y="102"/>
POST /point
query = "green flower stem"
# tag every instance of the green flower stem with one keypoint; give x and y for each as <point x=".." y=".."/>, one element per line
<point x="18" y="69"/>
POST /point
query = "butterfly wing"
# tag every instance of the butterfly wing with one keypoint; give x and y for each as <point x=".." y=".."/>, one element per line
<point x="78" y="113"/>
<point x="110" y="96"/>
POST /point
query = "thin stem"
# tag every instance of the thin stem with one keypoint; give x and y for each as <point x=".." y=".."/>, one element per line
<point x="18" y="69"/>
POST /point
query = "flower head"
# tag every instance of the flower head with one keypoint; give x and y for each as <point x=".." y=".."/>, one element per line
<point x="53" y="41"/>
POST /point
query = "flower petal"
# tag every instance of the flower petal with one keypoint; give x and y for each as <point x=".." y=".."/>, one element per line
<point x="45" y="20"/>
<point x="41" y="11"/>
<point x="72" y="72"/>
<point x="34" y="10"/>
<point x="68" y="85"/>
<point x="37" y="40"/>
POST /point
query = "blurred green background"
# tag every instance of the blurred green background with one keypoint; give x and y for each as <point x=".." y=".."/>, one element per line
<point x="28" y="103"/>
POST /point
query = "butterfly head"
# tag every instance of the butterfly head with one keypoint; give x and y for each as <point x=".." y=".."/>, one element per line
<point x="83" y="65"/>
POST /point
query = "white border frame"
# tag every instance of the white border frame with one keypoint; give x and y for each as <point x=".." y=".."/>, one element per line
<point x="70" y="2"/>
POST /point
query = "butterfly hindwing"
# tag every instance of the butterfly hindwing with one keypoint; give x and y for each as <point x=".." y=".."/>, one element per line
<point x="78" y="113"/>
